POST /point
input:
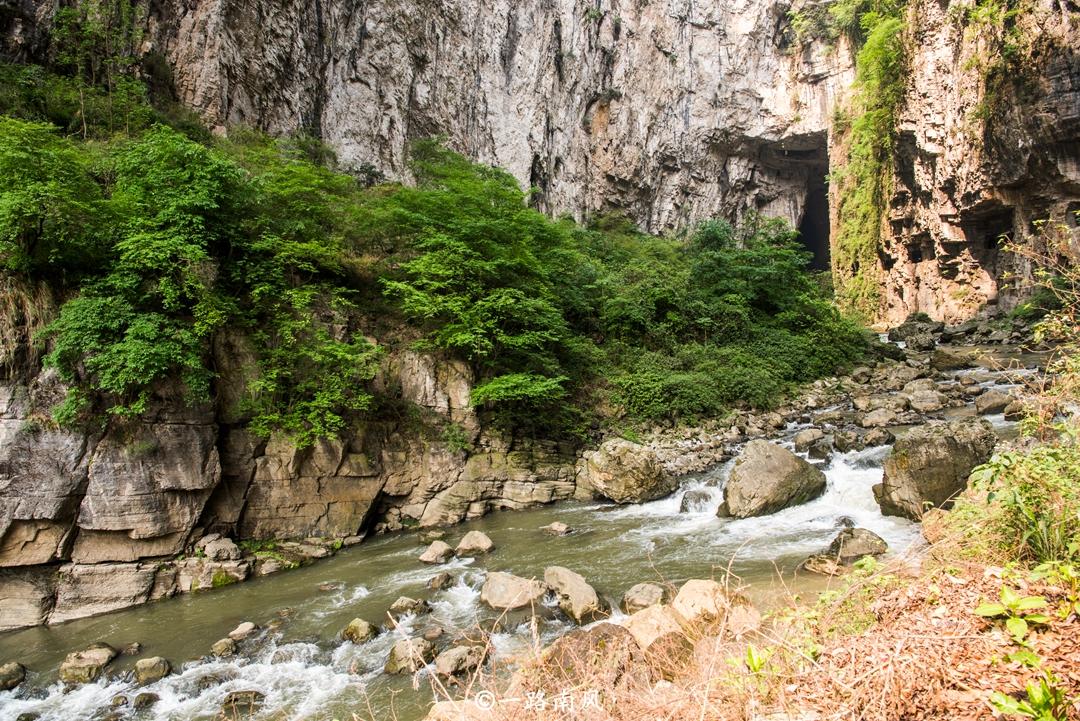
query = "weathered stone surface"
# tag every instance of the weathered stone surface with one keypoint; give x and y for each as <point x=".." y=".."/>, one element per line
<point x="437" y="552"/>
<point x="767" y="478"/>
<point x="222" y="549"/>
<point x="440" y="581"/>
<point x="505" y="591"/>
<point x="26" y="596"/>
<point x="806" y="438"/>
<point x="243" y="630"/>
<point x="704" y="601"/>
<point x="224" y="648"/>
<point x="242" y="704"/>
<point x="86" y="666"/>
<point x="359" y="631"/>
<point x="149" y="670"/>
<point x="625" y="472"/>
<point x="930" y="465"/>
<point x="475" y="543"/>
<point x="409" y="655"/>
<point x="11" y="675"/>
<point x="654" y="623"/>
<point x="949" y="360"/>
<point x="696" y="501"/>
<point x="851" y="544"/>
<point x="200" y="574"/>
<point x="577" y="598"/>
<point x="406" y="606"/>
<point x="642" y="595"/>
<point x="557" y="528"/>
<point x="459" y="660"/>
<point x="927" y="401"/>
<point x="992" y="402"/>
<point x="87" y="590"/>
<point x="599" y="656"/>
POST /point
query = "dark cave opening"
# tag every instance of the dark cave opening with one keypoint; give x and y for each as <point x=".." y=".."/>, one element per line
<point x="814" y="227"/>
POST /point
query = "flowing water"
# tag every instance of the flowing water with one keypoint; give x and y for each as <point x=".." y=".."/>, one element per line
<point x="306" y="672"/>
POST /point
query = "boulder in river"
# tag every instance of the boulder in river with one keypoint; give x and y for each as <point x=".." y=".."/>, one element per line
<point x="927" y="401"/>
<point x="224" y="648"/>
<point x="86" y="666"/>
<point x="459" y="660"/>
<point x="767" y="478"/>
<point x="806" y="438"/>
<point x="242" y="631"/>
<point x="577" y="598"/>
<point x="695" y="501"/>
<point x="144" y="701"/>
<point x="440" y="581"/>
<point x="557" y="528"/>
<point x="241" y="704"/>
<point x="705" y="601"/>
<point x="626" y="472"/>
<point x="475" y="543"/>
<point x="931" y="464"/>
<point x="992" y="402"/>
<point x="409" y="655"/>
<point x="851" y="544"/>
<point x="878" y="437"/>
<point x="359" y="631"/>
<point x="11" y="675"/>
<point x="921" y="342"/>
<point x="879" y="418"/>
<point x="437" y="552"/>
<point x="505" y="591"/>
<point x="406" y="606"/>
<point x="150" y="670"/>
<point x="949" y="360"/>
<point x="599" y="657"/>
<point x="642" y="595"/>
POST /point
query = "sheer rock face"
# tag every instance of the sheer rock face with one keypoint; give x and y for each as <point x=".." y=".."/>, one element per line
<point x="971" y="168"/>
<point x="670" y="111"/>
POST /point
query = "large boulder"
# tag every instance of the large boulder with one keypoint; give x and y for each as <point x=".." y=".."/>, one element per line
<point x="930" y="465"/>
<point x="577" y="598"/>
<point x="949" y="360"/>
<point x="849" y="546"/>
<point x="149" y="670"/>
<point x="505" y="591"/>
<point x="641" y="596"/>
<point x="992" y="402"/>
<point x="626" y="472"/>
<point x="359" y="631"/>
<point x="708" y="602"/>
<point x="406" y="606"/>
<point x="475" y="543"/>
<point x="437" y="552"/>
<point x="599" y="657"/>
<point x="409" y="655"/>
<point x="86" y="666"/>
<point x="11" y="675"/>
<point x="459" y="660"/>
<point x="767" y="478"/>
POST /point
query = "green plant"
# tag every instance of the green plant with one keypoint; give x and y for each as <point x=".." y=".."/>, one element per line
<point x="1045" y="701"/>
<point x="1016" y="611"/>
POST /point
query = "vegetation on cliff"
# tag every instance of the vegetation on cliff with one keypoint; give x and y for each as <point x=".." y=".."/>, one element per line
<point x="160" y="240"/>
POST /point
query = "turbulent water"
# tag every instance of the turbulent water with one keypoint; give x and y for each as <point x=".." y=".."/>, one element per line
<point x="306" y="672"/>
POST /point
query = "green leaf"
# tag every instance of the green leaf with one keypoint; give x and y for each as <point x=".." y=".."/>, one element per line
<point x="990" y="610"/>
<point x="1029" y="603"/>
<point x="1017" y="627"/>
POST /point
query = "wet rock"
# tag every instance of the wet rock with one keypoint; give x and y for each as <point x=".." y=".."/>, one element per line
<point x="150" y="670"/>
<point x="930" y="465"/>
<point x="86" y="666"/>
<point x="475" y="543"/>
<point x="132" y="649"/>
<point x="359" y="631"/>
<point x="921" y="342"/>
<point x="224" y="648"/>
<point x="557" y="528"/>
<point x="118" y="701"/>
<point x="329" y="586"/>
<point x="437" y="552"/>
<point x="767" y="478"/>
<point x="222" y="549"/>
<point x="505" y="591"/>
<point x="409" y="655"/>
<point x="577" y="598"/>
<point x="459" y="660"/>
<point x="428" y="537"/>
<point x="1015" y="411"/>
<point x="11" y="675"/>
<point x="242" y="631"/>
<point x="434" y="633"/>
<point x="804" y="439"/>
<point x="28" y="716"/>
<point x="878" y="437"/>
<point x="440" y="581"/>
<point x="821" y="450"/>
<point x="879" y="418"/>
<point x="847" y="441"/>
<point x="695" y="501"/>
<point x="845" y="522"/>
<point x="852" y="544"/>
<point x="626" y="472"/>
<point x="406" y="606"/>
<point x="145" y="701"/>
<point x="113" y="716"/>
<point x="642" y="595"/>
<point x="822" y="565"/>
<point x="949" y="360"/>
<point x="992" y="402"/>
<point x="927" y="401"/>
<point x="240" y="704"/>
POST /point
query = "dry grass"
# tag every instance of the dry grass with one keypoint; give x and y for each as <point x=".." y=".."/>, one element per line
<point x="25" y="309"/>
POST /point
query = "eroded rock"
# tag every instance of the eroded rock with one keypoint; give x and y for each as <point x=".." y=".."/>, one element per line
<point x="767" y="478"/>
<point x="577" y="598"/>
<point x="505" y="591"/>
<point x="86" y="666"/>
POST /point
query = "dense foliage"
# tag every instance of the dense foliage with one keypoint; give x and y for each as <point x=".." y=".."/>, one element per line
<point x="169" y="246"/>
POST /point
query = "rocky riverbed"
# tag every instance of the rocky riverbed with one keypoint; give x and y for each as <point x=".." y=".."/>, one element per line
<point x="346" y="632"/>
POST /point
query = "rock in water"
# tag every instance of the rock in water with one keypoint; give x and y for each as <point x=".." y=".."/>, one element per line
<point x="406" y="606"/>
<point x="409" y="655"/>
<point x="241" y="704"/>
<point x="557" y="528"/>
<point x="695" y="501"/>
<point x="992" y="402"/>
<point x="577" y="598"/>
<point x="242" y="631"/>
<point x="459" y="660"/>
<point x="359" y="631"/>
<point x="767" y="478"/>
<point x="440" y="581"/>
<point x="224" y="648"/>
<point x="930" y="465"/>
<point x="505" y="591"/>
<point x="851" y="544"/>
<point x="626" y="472"/>
<point x="11" y="675"/>
<point x="437" y="552"/>
<point x="149" y="670"/>
<point x="86" y="666"/>
<point x="806" y="438"/>
<point x="475" y="543"/>
<point x="642" y="595"/>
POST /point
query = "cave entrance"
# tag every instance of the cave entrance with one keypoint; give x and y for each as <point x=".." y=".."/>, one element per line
<point x="814" y="227"/>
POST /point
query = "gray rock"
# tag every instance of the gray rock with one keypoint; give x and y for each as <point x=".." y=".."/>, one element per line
<point x="437" y="552"/>
<point x="695" y="501"/>
<point x="459" y="660"/>
<point x="806" y="438"/>
<point x="359" y="631"/>
<point x="879" y="418"/>
<point x="949" y="360"/>
<point x="626" y="472"/>
<point x="577" y="598"/>
<point x="927" y="401"/>
<point x="930" y="465"/>
<point x="242" y="704"/>
<point x="242" y="631"/>
<point x="847" y="441"/>
<point x="557" y="528"/>
<point x="150" y="670"/>
<point x="851" y="544"/>
<point x="878" y="437"/>
<point x="921" y="342"/>
<point x="11" y="675"/>
<point x="821" y="450"/>
<point x="86" y="666"/>
<point x="224" y="648"/>
<point x="409" y="655"/>
<point x="767" y="478"/>
<point x="222" y="549"/>
<point x="475" y="543"/>
<point x="992" y="402"/>
<point x="440" y="581"/>
<point x="505" y="591"/>
<point x="642" y="595"/>
<point x="406" y="606"/>
<point x="144" y="701"/>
